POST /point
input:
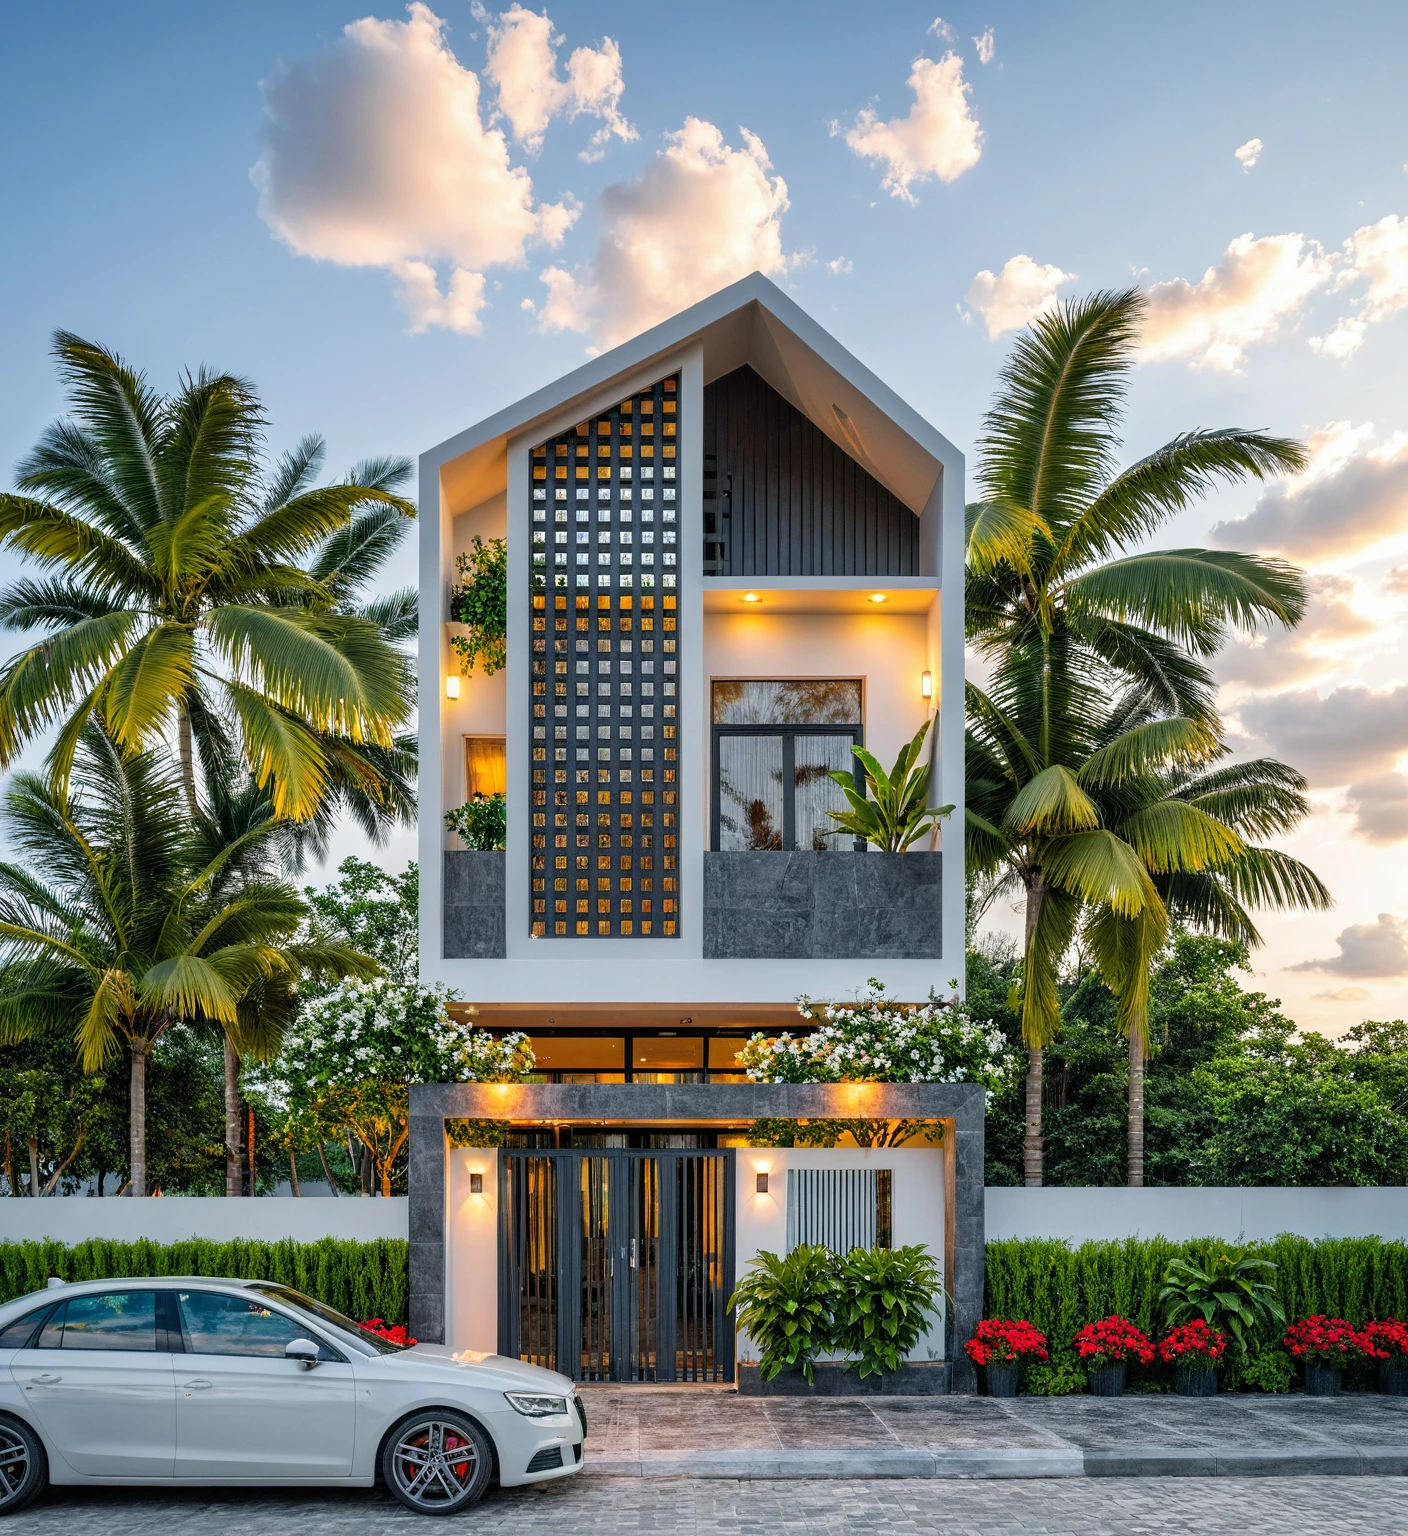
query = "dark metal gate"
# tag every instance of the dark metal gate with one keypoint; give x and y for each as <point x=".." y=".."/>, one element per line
<point x="617" y="1265"/>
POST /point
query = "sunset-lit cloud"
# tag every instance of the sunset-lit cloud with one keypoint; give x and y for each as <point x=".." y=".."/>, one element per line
<point x="375" y="153"/>
<point x="1367" y="950"/>
<point x="1024" y="288"/>
<point x="1376" y="255"/>
<point x="700" y="216"/>
<point x="1258" y="286"/>
<point x="938" y="138"/>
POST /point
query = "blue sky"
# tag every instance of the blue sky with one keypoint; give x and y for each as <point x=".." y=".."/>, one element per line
<point x="1098" y="142"/>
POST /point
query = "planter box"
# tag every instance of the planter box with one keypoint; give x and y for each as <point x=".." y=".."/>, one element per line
<point x="818" y="906"/>
<point x="918" y="1378"/>
<point x="1393" y="1377"/>
<point x="472" y="905"/>
<point x="1322" y="1380"/>
<point x="1195" y="1380"/>
<point x="1107" y="1380"/>
<point x="1002" y="1380"/>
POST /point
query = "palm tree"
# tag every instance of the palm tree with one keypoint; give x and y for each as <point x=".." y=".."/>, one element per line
<point x="122" y="926"/>
<point x="178" y="602"/>
<point x="1066" y="619"/>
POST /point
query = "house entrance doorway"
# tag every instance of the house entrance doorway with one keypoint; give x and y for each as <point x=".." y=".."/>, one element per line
<point x="616" y="1265"/>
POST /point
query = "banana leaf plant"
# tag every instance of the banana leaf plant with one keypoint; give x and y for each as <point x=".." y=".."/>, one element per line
<point x="893" y="813"/>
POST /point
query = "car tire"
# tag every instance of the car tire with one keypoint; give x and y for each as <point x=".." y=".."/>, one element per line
<point x="437" y="1462"/>
<point x="24" y="1468"/>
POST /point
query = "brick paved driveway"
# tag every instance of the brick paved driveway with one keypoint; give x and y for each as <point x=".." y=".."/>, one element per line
<point x="629" y="1507"/>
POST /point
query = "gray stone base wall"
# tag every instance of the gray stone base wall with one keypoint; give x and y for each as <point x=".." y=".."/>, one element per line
<point x="474" y="905"/>
<point x="812" y="906"/>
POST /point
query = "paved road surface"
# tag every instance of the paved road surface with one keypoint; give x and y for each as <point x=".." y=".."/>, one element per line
<point x="583" y="1506"/>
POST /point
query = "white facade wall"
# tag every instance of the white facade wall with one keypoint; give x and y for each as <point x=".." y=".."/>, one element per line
<point x="1082" y="1215"/>
<point x="174" y="1218"/>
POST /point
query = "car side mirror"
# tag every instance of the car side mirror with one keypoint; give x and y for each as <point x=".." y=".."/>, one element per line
<point x="305" y="1351"/>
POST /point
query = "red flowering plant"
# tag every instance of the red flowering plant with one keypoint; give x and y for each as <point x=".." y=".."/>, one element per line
<point x="1193" y="1343"/>
<point x="1112" y="1340"/>
<point x="1331" y="1341"/>
<point x="1389" y="1339"/>
<point x="392" y="1333"/>
<point x="1004" y="1341"/>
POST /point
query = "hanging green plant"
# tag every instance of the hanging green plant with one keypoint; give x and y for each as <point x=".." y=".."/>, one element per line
<point x="480" y="603"/>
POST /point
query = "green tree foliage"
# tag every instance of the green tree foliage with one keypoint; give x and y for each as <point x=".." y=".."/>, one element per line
<point x="480" y="603"/>
<point x="370" y="1279"/>
<point x="373" y="911"/>
<point x="174" y="598"/>
<point x="1233" y="1094"/>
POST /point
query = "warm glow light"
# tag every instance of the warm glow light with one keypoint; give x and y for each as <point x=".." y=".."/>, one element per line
<point x="476" y="1183"/>
<point x="926" y="683"/>
<point x="751" y="597"/>
<point x="877" y="597"/>
<point x="452" y="687"/>
<point x="762" y="1183"/>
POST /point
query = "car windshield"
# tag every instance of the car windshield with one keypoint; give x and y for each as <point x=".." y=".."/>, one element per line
<point x="364" y="1338"/>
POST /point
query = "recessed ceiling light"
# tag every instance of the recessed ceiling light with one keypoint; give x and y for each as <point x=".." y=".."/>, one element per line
<point x="877" y="597"/>
<point x="751" y="597"/>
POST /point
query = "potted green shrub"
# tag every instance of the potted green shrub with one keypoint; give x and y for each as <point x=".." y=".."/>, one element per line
<point x="479" y="603"/>
<point x="785" y="1307"/>
<point x="1105" y="1349"/>
<point x="1324" y="1346"/>
<point x="999" y="1345"/>
<point x="1194" y="1351"/>
<point x="1388" y="1342"/>
<point x="1235" y="1295"/>
<point x="893" y="814"/>
<point x="482" y="822"/>
<point x="885" y="1300"/>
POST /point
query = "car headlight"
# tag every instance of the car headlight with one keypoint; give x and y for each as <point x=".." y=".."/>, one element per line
<point x="535" y="1406"/>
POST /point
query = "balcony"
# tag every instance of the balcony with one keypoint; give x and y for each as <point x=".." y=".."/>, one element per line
<point x="775" y="905"/>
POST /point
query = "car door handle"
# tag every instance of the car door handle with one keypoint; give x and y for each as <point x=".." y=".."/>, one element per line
<point x="46" y="1381"/>
<point x="197" y="1386"/>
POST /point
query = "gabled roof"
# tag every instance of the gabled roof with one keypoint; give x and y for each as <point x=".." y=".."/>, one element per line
<point x="750" y="322"/>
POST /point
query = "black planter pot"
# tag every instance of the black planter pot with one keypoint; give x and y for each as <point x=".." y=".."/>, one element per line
<point x="1107" y="1380"/>
<point x="1003" y="1378"/>
<point x="1195" y="1380"/>
<point x="1393" y="1377"/>
<point x="1322" y="1380"/>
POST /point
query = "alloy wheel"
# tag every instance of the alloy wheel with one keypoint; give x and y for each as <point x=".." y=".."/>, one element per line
<point x="434" y="1465"/>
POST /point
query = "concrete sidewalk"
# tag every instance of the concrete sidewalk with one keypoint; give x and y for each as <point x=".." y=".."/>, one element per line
<point x="713" y="1433"/>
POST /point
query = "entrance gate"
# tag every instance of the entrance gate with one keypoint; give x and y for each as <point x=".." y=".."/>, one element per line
<point x="617" y="1265"/>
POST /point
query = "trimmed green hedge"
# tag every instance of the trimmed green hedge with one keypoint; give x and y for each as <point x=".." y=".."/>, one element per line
<point x="1059" y="1288"/>
<point x="360" y="1279"/>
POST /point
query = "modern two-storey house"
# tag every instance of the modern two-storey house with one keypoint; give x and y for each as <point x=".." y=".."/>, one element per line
<point x="733" y="554"/>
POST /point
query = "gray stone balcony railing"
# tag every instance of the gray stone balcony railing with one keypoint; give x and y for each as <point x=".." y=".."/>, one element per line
<point x="812" y="906"/>
<point x="474" y="905"/>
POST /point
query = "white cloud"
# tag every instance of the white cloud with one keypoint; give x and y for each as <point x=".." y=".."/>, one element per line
<point x="1352" y="497"/>
<point x="1023" y="289"/>
<point x="840" y="266"/>
<point x="1349" y="736"/>
<point x="1378" y="255"/>
<point x="522" y="63"/>
<point x="1345" y="995"/>
<point x="1337" y="624"/>
<point x="1249" y="153"/>
<point x="1380" y="807"/>
<point x="1242" y="300"/>
<point x="1367" y="949"/>
<point x="939" y="136"/>
<point x="939" y="28"/>
<point x="701" y="216"/>
<point x="375" y="154"/>
<point x="986" y="44"/>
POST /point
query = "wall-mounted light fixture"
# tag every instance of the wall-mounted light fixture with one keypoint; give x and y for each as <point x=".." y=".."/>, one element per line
<point x="751" y="597"/>
<point x="452" y="686"/>
<point x="926" y="683"/>
<point x="476" y="1183"/>
<point x="877" y="597"/>
<point x="762" y="1183"/>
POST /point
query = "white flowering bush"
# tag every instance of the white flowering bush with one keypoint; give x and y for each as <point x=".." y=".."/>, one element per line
<point x="877" y="1040"/>
<point x="350" y="1058"/>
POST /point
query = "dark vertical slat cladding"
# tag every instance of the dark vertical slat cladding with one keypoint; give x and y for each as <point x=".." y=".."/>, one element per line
<point x="801" y="505"/>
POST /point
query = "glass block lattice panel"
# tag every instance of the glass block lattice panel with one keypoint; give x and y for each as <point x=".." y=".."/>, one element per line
<point x="604" y="593"/>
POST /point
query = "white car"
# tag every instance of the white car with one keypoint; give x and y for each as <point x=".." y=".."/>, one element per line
<point x="196" y="1381"/>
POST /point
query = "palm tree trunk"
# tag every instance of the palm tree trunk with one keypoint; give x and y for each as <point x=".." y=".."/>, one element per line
<point x="137" y="1120"/>
<point x="234" y="1184"/>
<point x="1135" y="1176"/>
<point x="34" y="1168"/>
<point x="187" y="753"/>
<point x="1032" y="1138"/>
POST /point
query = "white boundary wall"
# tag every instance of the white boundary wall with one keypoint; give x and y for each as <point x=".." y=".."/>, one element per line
<point x="1084" y="1214"/>
<point x="173" y="1218"/>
